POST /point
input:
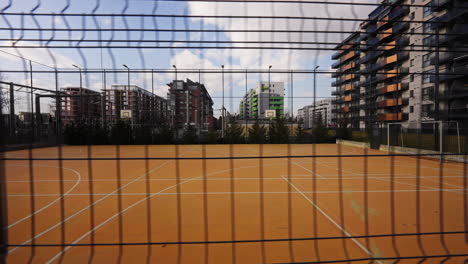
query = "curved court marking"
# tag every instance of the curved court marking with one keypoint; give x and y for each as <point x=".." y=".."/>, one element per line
<point x="85" y="208"/>
<point x="78" y="180"/>
<point x="142" y="200"/>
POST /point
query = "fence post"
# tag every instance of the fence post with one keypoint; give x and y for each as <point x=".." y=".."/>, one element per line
<point x="12" y="120"/>
<point x="3" y="197"/>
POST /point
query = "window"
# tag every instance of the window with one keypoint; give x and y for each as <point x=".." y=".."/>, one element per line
<point x="429" y="41"/>
<point x="411" y="109"/>
<point x="427" y="59"/>
<point x="427" y="27"/>
<point x="427" y="93"/>
<point x="427" y="10"/>
<point x="412" y="62"/>
<point x="427" y="110"/>
<point x="412" y="31"/>
<point x="427" y="76"/>
<point x="412" y="78"/>
<point x="412" y="15"/>
<point x="411" y="93"/>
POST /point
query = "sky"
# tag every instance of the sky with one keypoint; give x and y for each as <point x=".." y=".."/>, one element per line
<point x="135" y="56"/>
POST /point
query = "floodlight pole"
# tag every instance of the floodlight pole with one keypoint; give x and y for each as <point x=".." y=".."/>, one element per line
<point x="223" y="123"/>
<point x="175" y="70"/>
<point x="315" y="95"/>
<point x="81" y="93"/>
<point x="269" y="86"/>
<point x="128" y="93"/>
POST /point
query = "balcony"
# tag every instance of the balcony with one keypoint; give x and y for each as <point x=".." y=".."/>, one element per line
<point x="455" y="113"/>
<point x="452" y="74"/>
<point x="402" y="41"/>
<point x="345" y="109"/>
<point x="394" y="87"/>
<point x="458" y="31"/>
<point x="384" y="23"/>
<point x="336" y="65"/>
<point x="455" y="13"/>
<point x="403" y="56"/>
<point x="392" y="117"/>
<point x="348" y="98"/>
<point x="392" y="102"/>
<point x="385" y="34"/>
<point x="453" y="94"/>
<point x="399" y="12"/>
<point x="389" y="46"/>
<point x="400" y="27"/>
<point x="335" y="93"/>
<point x="438" y="5"/>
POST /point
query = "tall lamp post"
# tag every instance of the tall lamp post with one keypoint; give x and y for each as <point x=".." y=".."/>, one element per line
<point x="80" y="113"/>
<point x="315" y="94"/>
<point x="223" y="124"/>
<point x="269" y="86"/>
<point x="175" y="69"/>
<point x="128" y="93"/>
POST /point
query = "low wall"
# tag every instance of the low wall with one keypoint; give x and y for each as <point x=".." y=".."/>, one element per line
<point x="353" y="143"/>
<point x="402" y="150"/>
<point x="395" y="149"/>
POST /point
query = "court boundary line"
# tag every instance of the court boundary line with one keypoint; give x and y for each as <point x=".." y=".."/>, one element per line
<point x="362" y="247"/>
<point x="137" y="203"/>
<point x="195" y="193"/>
<point x="61" y="196"/>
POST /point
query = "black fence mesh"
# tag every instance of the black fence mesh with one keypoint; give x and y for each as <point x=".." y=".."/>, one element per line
<point x="234" y="131"/>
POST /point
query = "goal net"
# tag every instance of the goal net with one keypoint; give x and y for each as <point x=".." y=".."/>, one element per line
<point x="438" y="136"/>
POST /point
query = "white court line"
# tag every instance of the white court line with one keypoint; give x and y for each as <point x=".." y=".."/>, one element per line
<point x="331" y="220"/>
<point x="195" y="193"/>
<point x="295" y="163"/>
<point x="294" y="176"/>
<point x="139" y="202"/>
<point x="87" y="207"/>
<point x="78" y="180"/>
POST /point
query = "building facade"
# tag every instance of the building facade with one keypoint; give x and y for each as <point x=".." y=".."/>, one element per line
<point x="266" y="96"/>
<point x="80" y="105"/>
<point x="145" y="107"/>
<point x="404" y="65"/>
<point x="190" y="104"/>
<point x="320" y="112"/>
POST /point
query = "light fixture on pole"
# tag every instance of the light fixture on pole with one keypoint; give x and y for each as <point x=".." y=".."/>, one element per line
<point x="175" y="68"/>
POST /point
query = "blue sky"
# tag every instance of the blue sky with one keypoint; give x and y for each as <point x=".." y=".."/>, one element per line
<point x="144" y="58"/>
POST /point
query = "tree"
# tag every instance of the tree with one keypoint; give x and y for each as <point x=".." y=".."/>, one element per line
<point x="343" y="132"/>
<point x="278" y="132"/>
<point x="213" y="137"/>
<point x="165" y="134"/>
<point x="299" y="134"/>
<point x="257" y="133"/>
<point x="190" y="135"/>
<point x="121" y="134"/>
<point x="234" y="133"/>
<point x="320" y="132"/>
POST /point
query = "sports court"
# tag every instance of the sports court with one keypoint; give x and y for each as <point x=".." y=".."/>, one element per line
<point x="137" y="204"/>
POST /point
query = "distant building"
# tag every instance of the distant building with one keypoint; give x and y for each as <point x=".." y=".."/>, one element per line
<point x="310" y="114"/>
<point x="80" y="104"/>
<point x="190" y="104"/>
<point x="395" y="70"/>
<point x="145" y="107"/>
<point x="266" y="96"/>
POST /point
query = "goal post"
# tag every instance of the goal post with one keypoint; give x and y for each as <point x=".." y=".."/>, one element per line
<point x="427" y="135"/>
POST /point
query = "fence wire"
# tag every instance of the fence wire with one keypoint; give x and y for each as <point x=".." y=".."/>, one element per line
<point x="127" y="96"/>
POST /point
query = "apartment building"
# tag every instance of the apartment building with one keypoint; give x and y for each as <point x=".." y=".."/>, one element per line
<point x="190" y="104"/>
<point x="404" y="65"/>
<point x="145" y="107"/>
<point x="80" y="105"/>
<point x="321" y="111"/>
<point x="266" y="96"/>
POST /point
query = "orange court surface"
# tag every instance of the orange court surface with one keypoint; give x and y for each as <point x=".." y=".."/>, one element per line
<point x="139" y="209"/>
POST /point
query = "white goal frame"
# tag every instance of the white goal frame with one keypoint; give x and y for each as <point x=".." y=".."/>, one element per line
<point x="441" y="137"/>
